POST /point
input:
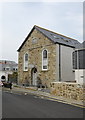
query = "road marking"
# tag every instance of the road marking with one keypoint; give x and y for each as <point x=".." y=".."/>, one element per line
<point x="54" y="99"/>
<point x="66" y="102"/>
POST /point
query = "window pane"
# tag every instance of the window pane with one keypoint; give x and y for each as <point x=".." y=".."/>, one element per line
<point x="45" y="54"/>
<point x="45" y="60"/>
<point x="44" y="67"/>
<point x="13" y="68"/>
<point x="26" y="68"/>
<point x="81" y="58"/>
<point x="26" y="57"/>
<point x="7" y="68"/>
<point x="26" y="62"/>
<point x="75" y="60"/>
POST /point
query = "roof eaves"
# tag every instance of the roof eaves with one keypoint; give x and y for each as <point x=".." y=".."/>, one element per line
<point x="65" y="44"/>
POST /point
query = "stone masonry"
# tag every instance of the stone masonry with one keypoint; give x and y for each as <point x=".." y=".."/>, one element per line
<point x="35" y="58"/>
<point x="68" y="90"/>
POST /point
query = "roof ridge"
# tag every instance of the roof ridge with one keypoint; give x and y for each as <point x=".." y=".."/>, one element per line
<point x="54" y="32"/>
<point x="41" y="29"/>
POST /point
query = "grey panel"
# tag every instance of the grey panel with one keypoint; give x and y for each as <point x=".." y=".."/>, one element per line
<point x="66" y="64"/>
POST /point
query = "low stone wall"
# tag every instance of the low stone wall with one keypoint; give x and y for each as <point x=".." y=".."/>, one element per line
<point x="68" y="90"/>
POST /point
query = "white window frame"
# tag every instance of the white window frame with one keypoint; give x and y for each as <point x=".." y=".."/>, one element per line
<point x="42" y="60"/>
<point x="25" y="63"/>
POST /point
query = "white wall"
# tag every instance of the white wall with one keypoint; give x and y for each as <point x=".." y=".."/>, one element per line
<point x="80" y="76"/>
<point x="5" y="73"/>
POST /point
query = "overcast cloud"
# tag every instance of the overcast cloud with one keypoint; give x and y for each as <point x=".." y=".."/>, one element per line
<point x="18" y="18"/>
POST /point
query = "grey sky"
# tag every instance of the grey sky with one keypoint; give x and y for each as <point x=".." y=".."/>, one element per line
<point x="18" y="18"/>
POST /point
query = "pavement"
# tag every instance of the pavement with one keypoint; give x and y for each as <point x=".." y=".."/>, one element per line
<point x="45" y="93"/>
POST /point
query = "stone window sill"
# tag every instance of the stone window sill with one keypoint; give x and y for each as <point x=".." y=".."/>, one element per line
<point x="44" y="70"/>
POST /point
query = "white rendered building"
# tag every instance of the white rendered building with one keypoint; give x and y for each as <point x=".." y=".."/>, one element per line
<point x="7" y="67"/>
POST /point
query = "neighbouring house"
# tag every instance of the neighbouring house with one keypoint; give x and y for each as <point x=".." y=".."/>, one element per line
<point x="45" y="57"/>
<point x="6" y="68"/>
<point x="79" y="64"/>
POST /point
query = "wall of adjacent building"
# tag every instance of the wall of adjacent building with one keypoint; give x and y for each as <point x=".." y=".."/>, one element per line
<point x="5" y="73"/>
<point x="66" y="66"/>
<point x="80" y="76"/>
<point x="79" y="65"/>
<point x="67" y="73"/>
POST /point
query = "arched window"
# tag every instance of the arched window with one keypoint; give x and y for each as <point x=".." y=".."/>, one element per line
<point x="26" y="62"/>
<point x="44" y="60"/>
<point x="45" y="54"/>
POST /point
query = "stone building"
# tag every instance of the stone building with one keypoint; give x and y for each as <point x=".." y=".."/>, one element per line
<point x="6" y="68"/>
<point x="46" y="56"/>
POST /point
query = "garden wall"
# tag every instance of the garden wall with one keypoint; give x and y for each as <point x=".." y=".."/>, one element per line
<point x="68" y="90"/>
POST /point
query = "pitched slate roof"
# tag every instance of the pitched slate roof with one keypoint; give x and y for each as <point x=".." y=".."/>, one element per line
<point x="83" y="44"/>
<point x="55" y="38"/>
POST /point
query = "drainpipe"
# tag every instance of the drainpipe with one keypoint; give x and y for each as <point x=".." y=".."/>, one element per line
<point x="78" y="65"/>
<point x="77" y="60"/>
<point x="59" y="62"/>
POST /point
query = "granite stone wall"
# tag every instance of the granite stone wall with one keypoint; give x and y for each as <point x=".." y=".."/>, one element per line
<point x="34" y="46"/>
<point x="68" y="90"/>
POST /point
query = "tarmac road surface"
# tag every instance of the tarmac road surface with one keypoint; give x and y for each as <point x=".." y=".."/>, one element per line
<point x="31" y="106"/>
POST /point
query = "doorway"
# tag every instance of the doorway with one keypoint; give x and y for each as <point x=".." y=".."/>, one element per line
<point x="34" y="76"/>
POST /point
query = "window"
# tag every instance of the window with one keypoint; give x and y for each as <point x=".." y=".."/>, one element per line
<point x="44" y="60"/>
<point x="34" y="40"/>
<point x="25" y="62"/>
<point x="78" y="59"/>
<point x="74" y="54"/>
<point x="81" y="58"/>
<point x="13" y="69"/>
<point x="4" y="69"/>
<point x="7" y="68"/>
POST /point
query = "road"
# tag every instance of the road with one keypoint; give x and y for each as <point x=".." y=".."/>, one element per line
<point x="30" y="106"/>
